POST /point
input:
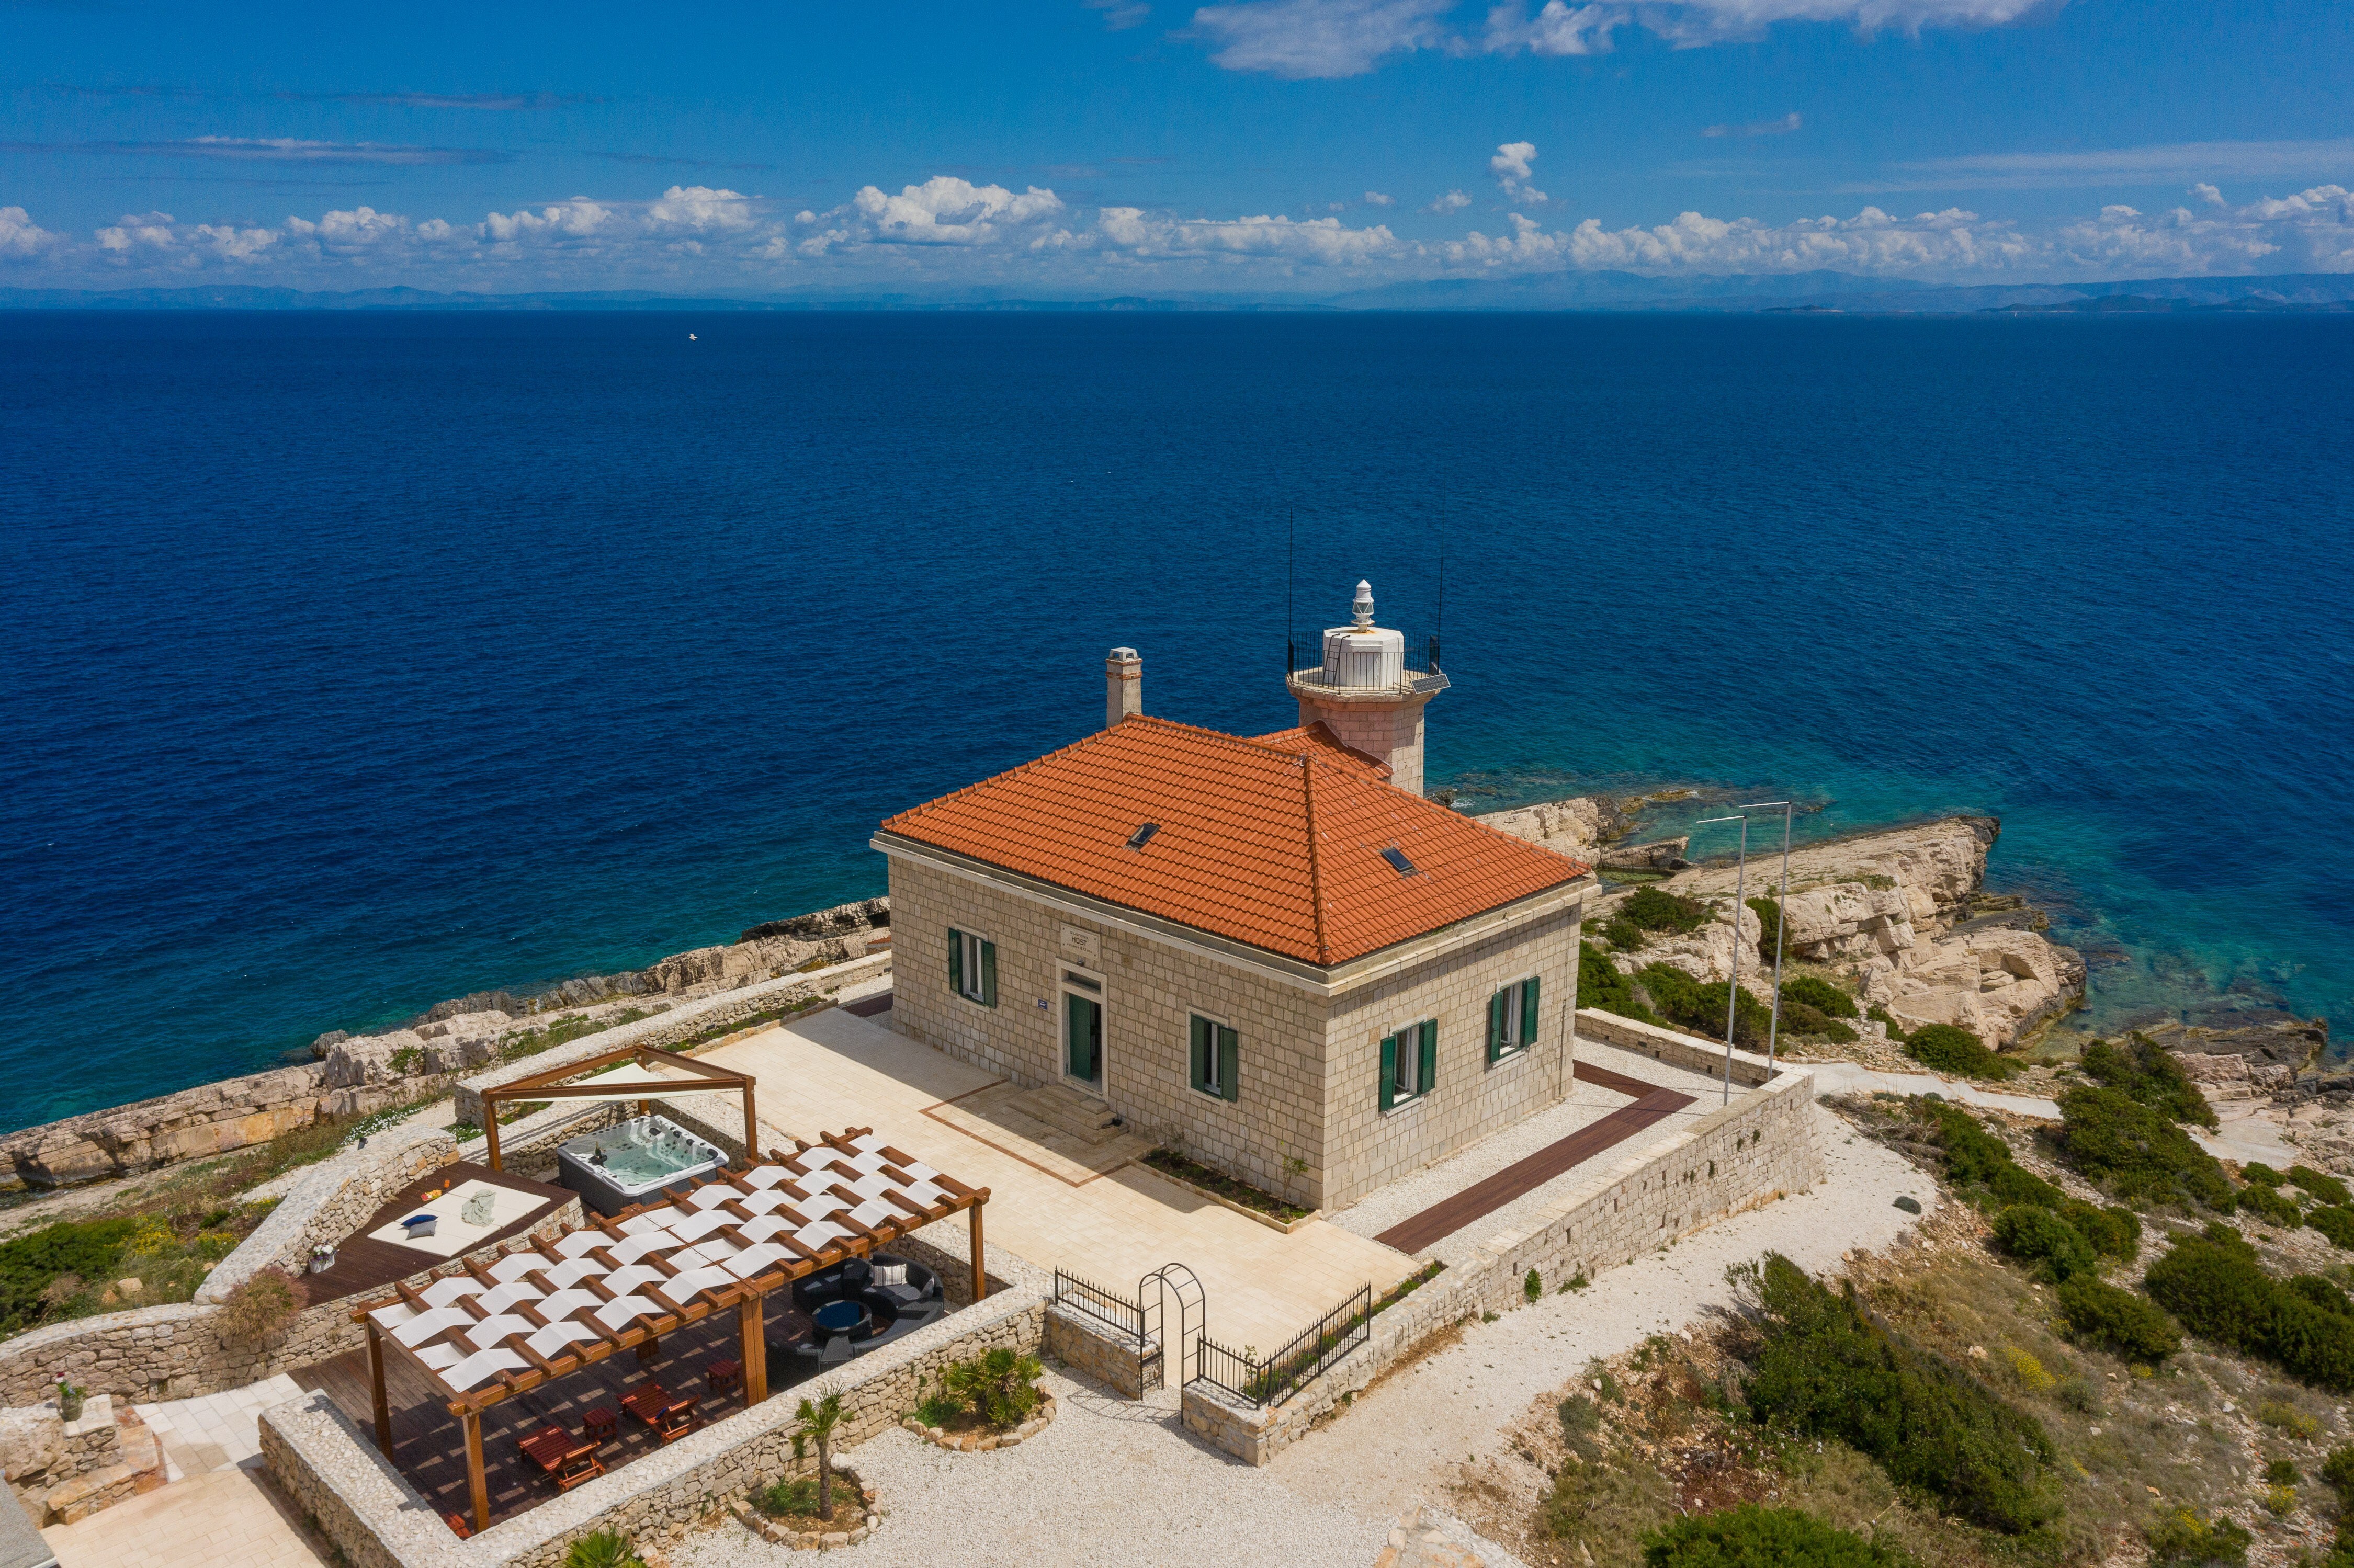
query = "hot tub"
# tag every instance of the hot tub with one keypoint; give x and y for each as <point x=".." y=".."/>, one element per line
<point x="634" y="1162"/>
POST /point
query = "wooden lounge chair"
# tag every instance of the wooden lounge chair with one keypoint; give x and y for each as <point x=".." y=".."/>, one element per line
<point x="670" y="1418"/>
<point x="567" y="1460"/>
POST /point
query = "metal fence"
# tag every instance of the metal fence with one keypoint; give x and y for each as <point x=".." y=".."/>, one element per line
<point x="1270" y="1380"/>
<point x="1108" y="1306"/>
<point x="1306" y="659"/>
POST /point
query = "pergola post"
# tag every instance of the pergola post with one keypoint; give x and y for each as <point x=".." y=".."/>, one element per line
<point x="491" y="1126"/>
<point x="751" y="1128"/>
<point x="376" y="1389"/>
<point x="753" y="1324"/>
<point x="475" y="1480"/>
<point x="979" y="1269"/>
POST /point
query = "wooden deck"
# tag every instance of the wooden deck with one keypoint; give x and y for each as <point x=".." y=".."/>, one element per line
<point x="429" y="1445"/>
<point x="364" y="1263"/>
<point x="1444" y="1218"/>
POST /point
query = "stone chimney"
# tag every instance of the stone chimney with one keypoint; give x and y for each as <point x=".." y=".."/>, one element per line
<point x="1123" y="685"/>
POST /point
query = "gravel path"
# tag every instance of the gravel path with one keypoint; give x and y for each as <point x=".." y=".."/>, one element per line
<point x="1112" y="1483"/>
<point x="1586" y="1103"/>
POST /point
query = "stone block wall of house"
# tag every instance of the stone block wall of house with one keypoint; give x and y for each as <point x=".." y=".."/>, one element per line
<point x="1150" y="990"/>
<point x="1365" y="1147"/>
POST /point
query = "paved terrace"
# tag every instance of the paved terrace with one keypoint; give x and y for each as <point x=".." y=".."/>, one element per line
<point x="1054" y="1200"/>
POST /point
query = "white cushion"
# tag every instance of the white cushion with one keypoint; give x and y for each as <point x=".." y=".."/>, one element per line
<point x="890" y="1274"/>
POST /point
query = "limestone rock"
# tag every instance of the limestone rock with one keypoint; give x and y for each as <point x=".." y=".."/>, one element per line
<point x="1574" y="828"/>
<point x="210" y="1119"/>
<point x="30" y="1440"/>
<point x="1665" y="854"/>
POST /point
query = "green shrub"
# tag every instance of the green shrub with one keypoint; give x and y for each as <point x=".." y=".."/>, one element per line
<point x="1580" y="1419"/>
<point x="1656" y="909"/>
<point x="998" y="1384"/>
<point x="1820" y="994"/>
<point x="603" y="1549"/>
<point x="1838" y="1033"/>
<point x="2038" y="1236"/>
<point x="1770" y="927"/>
<point x="1880" y="1015"/>
<point x="258" y="1310"/>
<point x="2136" y="1151"/>
<point x="2181" y="1536"/>
<point x="1825" y="1371"/>
<point x="2124" y="1322"/>
<point x="793" y="1494"/>
<point x="1609" y="1508"/>
<point x="2215" y="1286"/>
<point x="30" y="1264"/>
<point x="1952" y="1050"/>
<point x="1753" y="1536"/>
<point x="2321" y="1188"/>
<point x="2114" y="1232"/>
<point x="2337" y="1472"/>
<point x="2147" y="1073"/>
<point x="1600" y="986"/>
<point x="1622" y="934"/>
<point x="2267" y="1204"/>
<point x="2337" y="1223"/>
<point x="1684" y="1002"/>
<point x="2261" y="1175"/>
<point x="1976" y="1159"/>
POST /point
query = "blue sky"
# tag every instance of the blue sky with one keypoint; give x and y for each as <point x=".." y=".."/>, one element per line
<point x="1119" y="146"/>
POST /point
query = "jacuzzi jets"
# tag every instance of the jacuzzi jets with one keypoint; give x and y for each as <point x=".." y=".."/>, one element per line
<point x="633" y="1162"/>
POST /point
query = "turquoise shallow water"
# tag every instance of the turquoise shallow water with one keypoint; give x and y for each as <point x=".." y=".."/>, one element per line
<point x="350" y="662"/>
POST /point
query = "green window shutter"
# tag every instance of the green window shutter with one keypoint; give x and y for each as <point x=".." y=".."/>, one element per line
<point x="956" y="960"/>
<point x="1429" y="1074"/>
<point x="1201" y="1052"/>
<point x="1496" y="1041"/>
<point x="1229" y="1063"/>
<point x="988" y="974"/>
<point x="1389" y="1070"/>
<point x="1528" y="1011"/>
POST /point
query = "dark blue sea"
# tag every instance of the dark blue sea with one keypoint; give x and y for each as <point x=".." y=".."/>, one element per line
<point x="352" y="661"/>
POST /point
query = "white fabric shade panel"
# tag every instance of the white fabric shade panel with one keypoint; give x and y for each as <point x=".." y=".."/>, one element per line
<point x="631" y="1081"/>
<point x="528" y="1308"/>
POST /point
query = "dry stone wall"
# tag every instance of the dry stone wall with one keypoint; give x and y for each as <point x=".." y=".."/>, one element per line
<point x="667" y="1029"/>
<point x="1763" y="1145"/>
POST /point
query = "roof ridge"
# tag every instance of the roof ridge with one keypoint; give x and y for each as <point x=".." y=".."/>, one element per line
<point x="1315" y="861"/>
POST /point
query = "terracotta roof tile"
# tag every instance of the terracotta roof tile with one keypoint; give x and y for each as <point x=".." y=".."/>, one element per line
<point x="1318" y="740"/>
<point x="1276" y="842"/>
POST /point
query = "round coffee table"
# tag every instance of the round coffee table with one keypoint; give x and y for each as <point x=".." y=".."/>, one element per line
<point x="842" y="1316"/>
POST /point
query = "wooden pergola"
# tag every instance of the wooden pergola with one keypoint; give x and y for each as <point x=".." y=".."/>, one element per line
<point x="685" y="1074"/>
<point x="484" y="1333"/>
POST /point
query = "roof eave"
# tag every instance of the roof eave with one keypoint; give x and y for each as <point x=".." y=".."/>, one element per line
<point x="1322" y="980"/>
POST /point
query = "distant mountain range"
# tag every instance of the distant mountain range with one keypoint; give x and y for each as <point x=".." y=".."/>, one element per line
<point x="1818" y="293"/>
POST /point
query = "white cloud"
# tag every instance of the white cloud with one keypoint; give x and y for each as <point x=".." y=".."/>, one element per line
<point x="2208" y="193"/>
<point x="1300" y="38"/>
<point x="1376" y="198"/>
<point x="947" y="230"/>
<point x="1511" y="166"/>
<point x="2162" y="165"/>
<point x="943" y="211"/>
<point x="1120" y="14"/>
<point x="1324" y="242"/>
<point x="21" y="239"/>
<point x="1782" y="127"/>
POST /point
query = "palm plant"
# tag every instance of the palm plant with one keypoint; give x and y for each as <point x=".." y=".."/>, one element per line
<point x="604" y="1549"/>
<point x="997" y="1384"/>
<point x="820" y="1421"/>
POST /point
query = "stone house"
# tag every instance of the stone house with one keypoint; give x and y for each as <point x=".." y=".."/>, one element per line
<point x="1263" y="951"/>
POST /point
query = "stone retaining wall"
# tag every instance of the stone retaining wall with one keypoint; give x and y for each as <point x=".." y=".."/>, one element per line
<point x="1763" y="1145"/>
<point x="668" y="1028"/>
<point x="176" y="1351"/>
<point x="1085" y="1343"/>
<point x="211" y="1118"/>
<point x="330" y="1467"/>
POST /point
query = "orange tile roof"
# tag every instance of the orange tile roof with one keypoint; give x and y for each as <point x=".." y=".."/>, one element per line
<point x="1318" y="739"/>
<point x="1275" y="843"/>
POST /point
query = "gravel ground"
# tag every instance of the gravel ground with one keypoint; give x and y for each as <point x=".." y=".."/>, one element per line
<point x="1112" y="1483"/>
<point x="1586" y="1103"/>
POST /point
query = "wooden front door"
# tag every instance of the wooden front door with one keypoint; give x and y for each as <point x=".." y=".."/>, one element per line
<point x="1083" y="1038"/>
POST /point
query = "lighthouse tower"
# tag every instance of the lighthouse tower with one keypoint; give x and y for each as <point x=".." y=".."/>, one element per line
<point x="1369" y="689"/>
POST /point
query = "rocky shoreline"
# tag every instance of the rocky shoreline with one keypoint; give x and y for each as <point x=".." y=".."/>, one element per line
<point x="355" y="1075"/>
<point x="1900" y="918"/>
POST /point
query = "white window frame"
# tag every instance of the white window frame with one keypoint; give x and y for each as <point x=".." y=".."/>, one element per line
<point x="1404" y="1033"/>
<point x="971" y="965"/>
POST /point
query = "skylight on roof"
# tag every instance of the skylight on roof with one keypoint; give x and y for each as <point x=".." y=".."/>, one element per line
<point x="1398" y="863"/>
<point x="1143" y="835"/>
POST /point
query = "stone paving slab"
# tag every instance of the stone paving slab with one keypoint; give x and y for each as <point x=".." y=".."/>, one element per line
<point x="215" y="1431"/>
<point x="224" y="1517"/>
<point x="832" y="1069"/>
